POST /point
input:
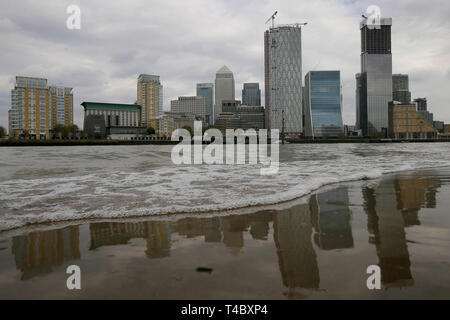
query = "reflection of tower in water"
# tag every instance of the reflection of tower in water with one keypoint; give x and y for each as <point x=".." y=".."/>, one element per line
<point x="38" y="252"/>
<point x="414" y="194"/>
<point x="296" y="256"/>
<point x="158" y="239"/>
<point x="233" y="228"/>
<point x="156" y="233"/>
<point x="330" y="215"/>
<point x="391" y="207"/>
<point x="115" y="233"/>
<point x="386" y="225"/>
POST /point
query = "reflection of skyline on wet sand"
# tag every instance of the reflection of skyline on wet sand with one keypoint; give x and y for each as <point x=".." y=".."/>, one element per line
<point x="324" y="223"/>
<point x="391" y="207"/>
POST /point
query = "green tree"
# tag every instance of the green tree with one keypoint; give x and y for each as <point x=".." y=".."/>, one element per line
<point x="2" y="132"/>
<point x="150" y="130"/>
<point x="72" y="130"/>
<point x="57" y="131"/>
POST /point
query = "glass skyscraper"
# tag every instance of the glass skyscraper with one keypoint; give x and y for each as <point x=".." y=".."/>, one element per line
<point x="400" y="88"/>
<point x="251" y="95"/>
<point x="283" y="78"/>
<point x="323" y="104"/>
<point x="374" y="83"/>
<point x="207" y="90"/>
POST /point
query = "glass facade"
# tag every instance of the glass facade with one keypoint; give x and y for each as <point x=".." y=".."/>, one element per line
<point x="376" y="70"/>
<point x="400" y="88"/>
<point x="207" y="90"/>
<point x="283" y="77"/>
<point x="251" y="95"/>
<point x="323" y="107"/>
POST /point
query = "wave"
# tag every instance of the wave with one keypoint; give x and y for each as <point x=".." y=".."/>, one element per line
<point x="142" y="189"/>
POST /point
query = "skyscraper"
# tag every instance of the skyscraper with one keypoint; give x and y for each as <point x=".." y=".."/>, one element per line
<point x="150" y="98"/>
<point x="224" y="89"/>
<point x="400" y="88"/>
<point x="207" y="90"/>
<point x="251" y="94"/>
<point x="421" y="104"/>
<point x="283" y="78"/>
<point x="422" y="108"/>
<point x="374" y="83"/>
<point x="322" y="104"/>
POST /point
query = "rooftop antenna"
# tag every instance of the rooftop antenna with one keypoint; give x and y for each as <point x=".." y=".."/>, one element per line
<point x="272" y="17"/>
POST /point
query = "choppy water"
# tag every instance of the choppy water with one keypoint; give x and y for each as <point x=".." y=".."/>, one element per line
<point x="47" y="184"/>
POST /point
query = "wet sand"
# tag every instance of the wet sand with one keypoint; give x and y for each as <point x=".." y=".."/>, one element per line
<point x="318" y="247"/>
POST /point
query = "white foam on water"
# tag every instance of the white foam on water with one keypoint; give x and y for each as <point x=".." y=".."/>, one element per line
<point x="130" y="181"/>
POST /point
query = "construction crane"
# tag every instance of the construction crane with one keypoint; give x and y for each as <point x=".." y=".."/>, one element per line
<point x="272" y="17"/>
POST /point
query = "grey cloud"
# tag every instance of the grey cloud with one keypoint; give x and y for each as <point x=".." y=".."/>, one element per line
<point x="187" y="42"/>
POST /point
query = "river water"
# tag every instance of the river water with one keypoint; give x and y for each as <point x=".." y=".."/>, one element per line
<point x="140" y="227"/>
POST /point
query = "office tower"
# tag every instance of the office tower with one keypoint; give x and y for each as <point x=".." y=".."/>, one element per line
<point x="400" y="88"/>
<point x="61" y="105"/>
<point x="283" y="78"/>
<point x="422" y="109"/>
<point x="193" y="105"/>
<point x="30" y="109"/>
<point x="251" y="94"/>
<point x="207" y="90"/>
<point x="323" y="104"/>
<point x="374" y="83"/>
<point x="170" y="121"/>
<point x="150" y="98"/>
<point x="224" y="89"/>
<point x="234" y="115"/>
<point x="421" y="104"/>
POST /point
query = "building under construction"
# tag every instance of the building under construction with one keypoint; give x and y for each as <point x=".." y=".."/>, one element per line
<point x="283" y="78"/>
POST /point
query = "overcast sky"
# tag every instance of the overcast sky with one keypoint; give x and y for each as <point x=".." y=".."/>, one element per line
<point x="186" y="42"/>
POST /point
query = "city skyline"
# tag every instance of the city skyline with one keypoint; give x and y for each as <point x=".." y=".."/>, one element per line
<point x="96" y="72"/>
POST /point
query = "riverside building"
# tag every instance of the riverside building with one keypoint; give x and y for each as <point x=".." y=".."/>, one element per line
<point x="194" y="105"/>
<point x="235" y="115"/>
<point x="114" y="120"/>
<point x="36" y="108"/>
<point x="405" y="122"/>
<point x="323" y="104"/>
<point x="283" y="78"/>
<point x="374" y="82"/>
<point x="150" y="98"/>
